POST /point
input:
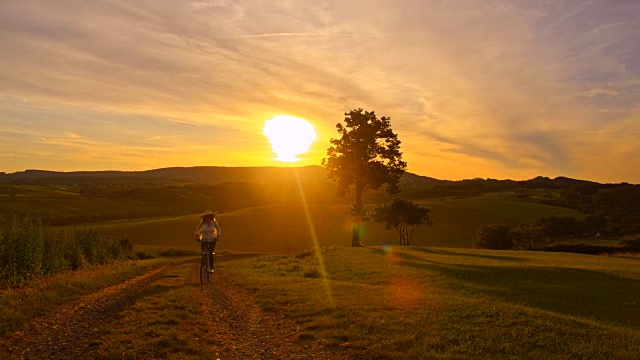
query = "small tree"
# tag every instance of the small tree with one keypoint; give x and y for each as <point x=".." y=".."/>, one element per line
<point x="404" y="216"/>
<point x="366" y="156"/>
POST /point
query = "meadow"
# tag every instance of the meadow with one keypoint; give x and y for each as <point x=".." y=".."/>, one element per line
<point x="289" y="228"/>
<point x="414" y="303"/>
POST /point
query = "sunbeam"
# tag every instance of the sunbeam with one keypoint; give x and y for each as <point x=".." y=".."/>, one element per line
<point x="314" y="237"/>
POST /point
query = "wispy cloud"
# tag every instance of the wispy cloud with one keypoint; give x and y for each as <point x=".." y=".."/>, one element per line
<point x="509" y="89"/>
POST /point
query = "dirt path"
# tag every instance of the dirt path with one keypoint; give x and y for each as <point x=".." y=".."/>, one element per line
<point x="71" y="332"/>
<point x="241" y="330"/>
<point x="244" y="331"/>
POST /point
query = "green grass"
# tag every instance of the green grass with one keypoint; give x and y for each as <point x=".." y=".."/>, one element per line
<point x="54" y="202"/>
<point x="449" y="303"/>
<point x="376" y="302"/>
<point x="278" y="228"/>
<point x="41" y="298"/>
<point x="281" y="228"/>
<point x="505" y="207"/>
<point x="257" y="229"/>
<point x="167" y="320"/>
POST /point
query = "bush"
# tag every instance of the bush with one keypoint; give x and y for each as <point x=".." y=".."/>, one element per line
<point x="494" y="236"/>
<point x="528" y="237"/>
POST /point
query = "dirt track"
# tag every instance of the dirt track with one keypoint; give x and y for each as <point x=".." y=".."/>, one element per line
<point x="241" y="329"/>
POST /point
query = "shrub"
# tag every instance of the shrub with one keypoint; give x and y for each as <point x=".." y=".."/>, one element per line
<point x="528" y="237"/>
<point x="494" y="236"/>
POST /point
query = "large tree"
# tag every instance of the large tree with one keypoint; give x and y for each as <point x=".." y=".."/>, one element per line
<point x="365" y="156"/>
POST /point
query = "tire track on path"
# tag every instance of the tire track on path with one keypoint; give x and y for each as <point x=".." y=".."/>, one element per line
<point x="72" y="332"/>
<point x="239" y="328"/>
<point x="244" y="331"/>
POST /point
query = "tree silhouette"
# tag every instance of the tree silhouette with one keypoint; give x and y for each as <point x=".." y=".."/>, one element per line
<point x="366" y="156"/>
<point x="402" y="215"/>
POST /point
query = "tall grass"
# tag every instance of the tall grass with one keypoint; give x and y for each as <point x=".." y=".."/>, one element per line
<point x="30" y="249"/>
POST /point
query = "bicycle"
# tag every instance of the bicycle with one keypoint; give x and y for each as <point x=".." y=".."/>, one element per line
<point x="205" y="274"/>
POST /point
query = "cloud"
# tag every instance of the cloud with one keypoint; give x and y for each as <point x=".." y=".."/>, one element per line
<point x="518" y="84"/>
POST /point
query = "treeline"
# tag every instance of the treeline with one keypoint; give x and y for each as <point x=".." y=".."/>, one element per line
<point x="612" y="209"/>
<point x="29" y="249"/>
<point x="538" y="236"/>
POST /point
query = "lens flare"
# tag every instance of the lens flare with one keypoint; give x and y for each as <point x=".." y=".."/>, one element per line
<point x="316" y="244"/>
<point x="405" y="292"/>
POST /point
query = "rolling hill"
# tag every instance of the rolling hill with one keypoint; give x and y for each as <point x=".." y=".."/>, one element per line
<point x="276" y="209"/>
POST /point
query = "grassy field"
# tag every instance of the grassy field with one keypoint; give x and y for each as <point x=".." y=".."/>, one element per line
<point x="282" y="228"/>
<point x="277" y="228"/>
<point x="377" y="302"/>
<point x="418" y="303"/>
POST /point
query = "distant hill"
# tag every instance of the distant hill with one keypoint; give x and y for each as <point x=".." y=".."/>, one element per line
<point x="459" y="207"/>
<point x="209" y="175"/>
<point x="205" y="175"/>
<point x="212" y="175"/>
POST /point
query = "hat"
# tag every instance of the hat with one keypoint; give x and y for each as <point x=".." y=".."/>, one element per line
<point x="207" y="213"/>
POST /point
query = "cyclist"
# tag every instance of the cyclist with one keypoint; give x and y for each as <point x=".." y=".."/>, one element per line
<point x="208" y="232"/>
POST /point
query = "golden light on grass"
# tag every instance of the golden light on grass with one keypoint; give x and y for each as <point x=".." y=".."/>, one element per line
<point x="405" y="292"/>
<point x="289" y="136"/>
<point x="316" y="244"/>
<point x="391" y="254"/>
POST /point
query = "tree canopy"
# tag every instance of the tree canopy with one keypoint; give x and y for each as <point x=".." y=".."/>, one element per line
<point x="365" y="156"/>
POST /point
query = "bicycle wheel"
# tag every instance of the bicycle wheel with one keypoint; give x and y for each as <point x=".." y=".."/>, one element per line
<point x="204" y="265"/>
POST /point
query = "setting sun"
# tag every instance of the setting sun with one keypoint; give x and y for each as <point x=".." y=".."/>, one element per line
<point x="289" y="136"/>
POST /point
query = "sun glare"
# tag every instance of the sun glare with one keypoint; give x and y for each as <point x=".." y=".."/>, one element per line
<point x="289" y="136"/>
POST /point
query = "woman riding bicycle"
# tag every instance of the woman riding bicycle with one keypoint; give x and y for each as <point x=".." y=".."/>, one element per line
<point x="208" y="232"/>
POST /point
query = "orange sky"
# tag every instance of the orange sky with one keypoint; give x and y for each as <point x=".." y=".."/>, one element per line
<point x="499" y="89"/>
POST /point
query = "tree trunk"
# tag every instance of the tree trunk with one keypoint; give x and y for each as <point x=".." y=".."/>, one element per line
<point x="355" y="239"/>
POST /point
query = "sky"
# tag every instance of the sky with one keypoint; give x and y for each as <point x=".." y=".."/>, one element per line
<point x="508" y="89"/>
